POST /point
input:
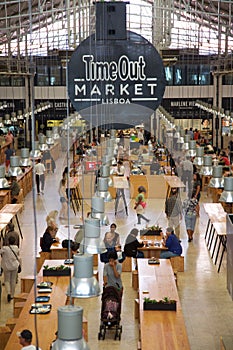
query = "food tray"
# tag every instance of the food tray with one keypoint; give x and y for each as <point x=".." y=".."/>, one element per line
<point x="69" y="261"/>
<point x="42" y="299"/>
<point x="40" y="309"/>
<point x="45" y="290"/>
<point x="153" y="262"/>
<point x="45" y="284"/>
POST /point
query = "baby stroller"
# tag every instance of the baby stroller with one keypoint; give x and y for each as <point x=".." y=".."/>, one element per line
<point x="110" y="313"/>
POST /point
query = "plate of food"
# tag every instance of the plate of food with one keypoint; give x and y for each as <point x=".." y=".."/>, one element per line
<point x="45" y="284"/>
<point x="41" y="309"/>
<point x="42" y="299"/>
<point x="69" y="261"/>
<point x="45" y="290"/>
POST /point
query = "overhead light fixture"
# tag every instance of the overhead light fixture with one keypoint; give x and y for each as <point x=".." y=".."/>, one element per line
<point x="105" y="172"/>
<point x="1" y="123"/>
<point x="42" y="143"/>
<point x="70" y="334"/>
<point x="25" y="161"/>
<point x="3" y="181"/>
<point x="217" y="181"/>
<point x="102" y="189"/>
<point x="36" y="152"/>
<point x="14" y="169"/>
<point x="227" y="194"/>
<point x="83" y="284"/>
<point x="92" y="243"/>
<point x="49" y="139"/>
<point x="7" y="120"/>
<point x="56" y="135"/>
<point x="192" y="148"/>
<point x="98" y="210"/>
<point x="185" y="146"/>
<point x="198" y="160"/>
<point x="207" y="168"/>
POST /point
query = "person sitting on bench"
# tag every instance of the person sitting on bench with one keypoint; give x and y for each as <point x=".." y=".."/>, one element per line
<point x="172" y="243"/>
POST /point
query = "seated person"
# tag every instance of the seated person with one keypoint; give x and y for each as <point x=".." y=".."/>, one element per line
<point x="48" y="239"/>
<point x="155" y="167"/>
<point x="111" y="242"/>
<point x="172" y="243"/>
<point x="112" y="272"/>
<point x="132" y="244"/>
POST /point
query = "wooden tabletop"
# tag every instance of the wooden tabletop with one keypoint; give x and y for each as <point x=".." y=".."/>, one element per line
<point x="120" y="182"/>
<point x="160" y="330"/>
<point x="5" y="218"/>
<point x="215" y="212"/>
<point x="220" y="228"/>
<point x="11" y="208"/>
<point x="47" y="324"/>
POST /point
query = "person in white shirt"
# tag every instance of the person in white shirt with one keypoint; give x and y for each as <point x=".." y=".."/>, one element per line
<point x="25" y="339"/>
<point x="120" y="191"/>
<point x="40" y="176"/>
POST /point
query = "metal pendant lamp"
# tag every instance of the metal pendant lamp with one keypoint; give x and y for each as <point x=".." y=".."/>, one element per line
<point x="3" y="181"/>
<point x="56" y="135"/>
<point x="14" y="169"/>
<point x="191" y="152"/>
<point x="105" y="172"/>
<point x="227" y="194"/>
<point x="70" y="335"/>
<point x="36" y="152"/>
<point x="1" y="123"/>
<point x="98" y="210"/>
<point x="206" y="168"/>
<point x="92" y="243"/>
<point x="217" y="181"/>
<point x="102" y="189"/>
<point x="25" y="161"/>
<point x="83" y="284"/>
<point x="7" y="120"/>
<point x="185" y="145"/>
<point x="198" y="160"/>
<point x="42" y="143"/>
<point x="49" y="138"/>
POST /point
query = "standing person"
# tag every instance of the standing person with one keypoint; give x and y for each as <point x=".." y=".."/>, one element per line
<point x="140" y="136"/>
<point x="191" y="212"/>
<point x="187" y="175"/>
<point x="9" y="137"/>
<point x="120" y="193"/>
<point x="9" y="152"/>
<point x="25" y="339"/>
<point x="172" y="243"/>
<point x="140" y="205"/>
<point x="63" y="200"/>
<point x="10" y="264"/>
<point x="173" y="210"/>
<point x="112" y="272"/>
<point x="15" y="189"/>
<point x="40" y="176"/>
<point x="132" y="244"/>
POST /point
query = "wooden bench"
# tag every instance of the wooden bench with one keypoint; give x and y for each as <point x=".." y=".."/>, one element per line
<point x="5" y="333"/>
<point x="177" y="263"/>
<point x="18" y="307"/>
<point x="127" y="264"/>
<point x="135" y="279"/>
<point x="20" y="297"/>
<point x="27" y="283"/>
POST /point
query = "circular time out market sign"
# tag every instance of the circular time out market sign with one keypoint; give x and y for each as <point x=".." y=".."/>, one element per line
<point x="118" y="81"/>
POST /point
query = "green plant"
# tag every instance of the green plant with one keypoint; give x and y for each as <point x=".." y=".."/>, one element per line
<point x="56" y="268"/>
<point x="165" y="300"/>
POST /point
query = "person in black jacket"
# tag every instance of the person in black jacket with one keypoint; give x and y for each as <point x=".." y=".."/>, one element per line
<point x="132" y="244"/>
<point x="48" y="239"/>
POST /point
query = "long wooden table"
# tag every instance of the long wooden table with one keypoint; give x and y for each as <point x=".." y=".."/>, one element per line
<point x="13" y="209"/>
<point x="46" y="324"/>
<point x="160" y="330"/>
<point x="172" y="182"/>
<point x="152" y="247"/>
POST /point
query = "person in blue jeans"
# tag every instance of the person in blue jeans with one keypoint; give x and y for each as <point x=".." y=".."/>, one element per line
<point x="172" y="243"/>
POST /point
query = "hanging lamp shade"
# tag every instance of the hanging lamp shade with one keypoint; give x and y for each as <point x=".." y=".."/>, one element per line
<point x="107" y="159"/>
<point x="217" y="181"/>
<point x="49" y="137"/>
<point x="14" y="169"/>
<point x="7" y="120"/>
<point x="105" y="172"/>
<point x="92" y="243"/>
<point x="227" y="194"/>
<point x="56" y="135"/>
<point x="3" y="181"/>
<point x="83" y="284"/>
<point x="192" y="148"/>
<point x="25" y="161"/>
<point x="185" y="146"/>
<point x="98" y="210"/>
<point x="206" y="168"/>
<point x="102" y="189"/>
<point x="1" y="123"/>
<point x="70" y="335"/>
<point x="198" y="160"/>
<point x="42" y="143"/>
<point x="36" y="153"/>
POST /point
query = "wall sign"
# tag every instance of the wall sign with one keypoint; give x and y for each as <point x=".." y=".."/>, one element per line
<point x="116" y="80"/>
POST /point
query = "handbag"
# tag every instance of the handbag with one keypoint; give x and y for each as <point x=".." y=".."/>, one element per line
<point x="19" y="267"/>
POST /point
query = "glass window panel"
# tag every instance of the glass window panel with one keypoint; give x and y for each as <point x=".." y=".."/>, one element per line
<point x="192" y="75"/>
<point x="179" y="75"/>
<point x="204" y="76"/>
<point x="169" y="75"/>
<point x="17" y="81"/>
<point x="42" y="76"/>
<point x="4" y="80"/>
<point x="55" y="75"/>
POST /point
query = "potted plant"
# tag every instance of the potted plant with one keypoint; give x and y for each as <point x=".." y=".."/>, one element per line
<point x="154" y="230"/>
<point x="165" y="304"/>
<point x="60" y="270"/>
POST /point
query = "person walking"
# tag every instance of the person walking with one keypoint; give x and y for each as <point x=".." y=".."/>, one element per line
<point x="112" y="272"/>
<point x="140" y="205"/>
<point x="120" y="193"/>
<point x="191" y="213"/>
<point x="9" y="152"/>
<point x="173" y="210"/>
<point x="187" y="175"/>
<point x="63" y="200"/>
<point x="10" y="264"/>
<point x="40" y="176"/>
<point x="10" y="232"/>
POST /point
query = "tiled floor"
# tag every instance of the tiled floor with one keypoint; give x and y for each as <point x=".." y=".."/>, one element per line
<point x="206" y="304"/>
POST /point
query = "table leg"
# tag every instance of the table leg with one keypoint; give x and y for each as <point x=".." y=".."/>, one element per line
<point x="211" y="240"/>
<point x="17" y="220"/>
<point x="210" y="235"/>
<point x="207" y="228"/>
<point x="224" y="241"/>
<point x="212" y="255"/>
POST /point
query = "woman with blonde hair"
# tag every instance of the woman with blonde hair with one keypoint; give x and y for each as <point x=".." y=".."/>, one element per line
<point x="51" y="218"/>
